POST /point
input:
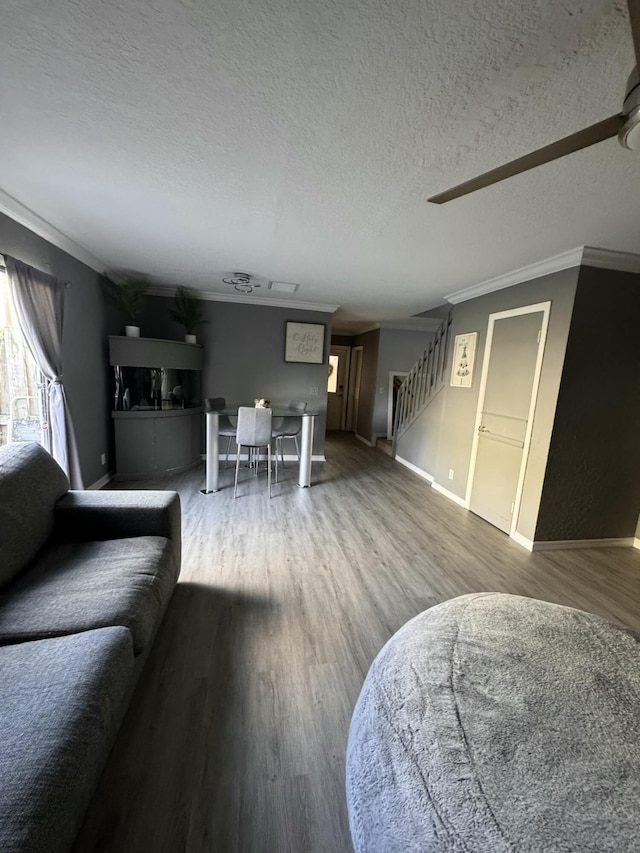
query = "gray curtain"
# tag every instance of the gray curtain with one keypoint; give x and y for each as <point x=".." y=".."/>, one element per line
<point x="39" y="302"/>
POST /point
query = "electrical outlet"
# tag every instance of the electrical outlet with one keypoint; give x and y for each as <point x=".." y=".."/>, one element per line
<point x="451" y="473"/>
<point x="103" y="459"/>
<point x="313" y="391"/>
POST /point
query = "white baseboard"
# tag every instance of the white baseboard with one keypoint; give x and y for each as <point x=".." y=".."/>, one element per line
<point x="562" y="544"/>
<point x="99" y="484"/>
<point x="627" y="542"/>
<point x="415" y="469"/>
<point x="452" y="497"/>
<point x="567" y="544"/>
<point x="365" y="440"/>
<point x="522" y="540"/>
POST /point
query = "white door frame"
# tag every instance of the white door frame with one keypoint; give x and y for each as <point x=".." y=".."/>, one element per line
<point x="545" y="308"/>
<point x="392" y="373"/>
<point x="345" y="352"/>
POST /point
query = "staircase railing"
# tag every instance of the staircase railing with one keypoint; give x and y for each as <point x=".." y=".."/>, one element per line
<point x="423" y="381"/>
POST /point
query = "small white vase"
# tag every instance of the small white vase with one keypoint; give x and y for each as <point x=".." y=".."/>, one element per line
<point x="132" y="331"/>
<point x="190" y="339"/>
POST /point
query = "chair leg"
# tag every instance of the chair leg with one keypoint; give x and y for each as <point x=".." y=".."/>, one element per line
<point x="269" y="468"/>
<point x="281" y="440"/>
<point x="276" y="460"/>
<point x="226" y="461"/>
<point x="235" y="484"/>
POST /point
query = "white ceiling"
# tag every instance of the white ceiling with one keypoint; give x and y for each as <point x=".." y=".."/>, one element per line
<point x="298" y="140"/>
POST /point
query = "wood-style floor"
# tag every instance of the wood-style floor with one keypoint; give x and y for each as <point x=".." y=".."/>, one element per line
<point x="235" y="738"/>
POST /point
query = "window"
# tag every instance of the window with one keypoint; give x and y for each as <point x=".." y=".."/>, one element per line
<point x="22" y="386"/>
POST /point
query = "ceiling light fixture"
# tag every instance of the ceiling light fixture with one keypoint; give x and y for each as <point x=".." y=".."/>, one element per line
<point x="240" y="281"/>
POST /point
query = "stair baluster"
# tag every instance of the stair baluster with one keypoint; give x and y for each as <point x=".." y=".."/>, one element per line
<point x="423" y="382"/>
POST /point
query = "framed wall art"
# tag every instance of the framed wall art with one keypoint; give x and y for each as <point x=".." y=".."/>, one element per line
<point x="304" y="342"/>
<point x="464" y="356"/>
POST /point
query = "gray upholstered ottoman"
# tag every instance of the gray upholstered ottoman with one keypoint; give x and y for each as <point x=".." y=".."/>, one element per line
<point x="498" y="723"/>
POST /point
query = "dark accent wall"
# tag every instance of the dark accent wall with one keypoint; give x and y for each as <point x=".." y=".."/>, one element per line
<point x="592" y="483"/>
<point x="370" y="342"/>
<point x="244" y="353"/>
<point x="84" y="342"/>
<point x="341" y="340"/>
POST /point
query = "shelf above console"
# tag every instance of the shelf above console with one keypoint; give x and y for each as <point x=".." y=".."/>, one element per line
<point x="154" y="352"/>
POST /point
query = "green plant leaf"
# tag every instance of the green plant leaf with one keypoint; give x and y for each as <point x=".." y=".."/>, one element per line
<point x="187" y="311"/>
<point x="129" y="297"/>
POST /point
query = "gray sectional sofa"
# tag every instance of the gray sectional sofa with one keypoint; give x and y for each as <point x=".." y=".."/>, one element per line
<point x="85" y="578"/>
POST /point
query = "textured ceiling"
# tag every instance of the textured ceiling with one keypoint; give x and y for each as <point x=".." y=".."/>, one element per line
<point x="299" y="139"/>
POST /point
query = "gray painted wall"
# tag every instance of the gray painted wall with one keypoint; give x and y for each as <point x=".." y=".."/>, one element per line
<point x="419" y="445"/>
<point x="450" y="445"/>
<point x="244" y="353"/>
<point x="397" y="350"/>
<point x="84" y="343"/>
<point x="592" y="481"/>
<point x="244" y="348"/>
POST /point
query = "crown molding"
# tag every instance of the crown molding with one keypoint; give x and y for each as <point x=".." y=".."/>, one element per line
<point x="609" y="260"/>
<point x="25" y="216"/>
<point x="581" y="256"/>
<point x="244" y="299"/>
<point x="564" y="261"/>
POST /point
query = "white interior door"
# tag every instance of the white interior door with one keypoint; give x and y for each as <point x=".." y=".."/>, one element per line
<point x="336" y="387"/>
<point x="511" y="371"/>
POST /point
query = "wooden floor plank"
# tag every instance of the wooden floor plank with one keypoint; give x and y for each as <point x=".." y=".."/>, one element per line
<point x="236" y="734"/>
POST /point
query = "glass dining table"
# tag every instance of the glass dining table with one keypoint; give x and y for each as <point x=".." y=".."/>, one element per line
<point x="212" y="443"/>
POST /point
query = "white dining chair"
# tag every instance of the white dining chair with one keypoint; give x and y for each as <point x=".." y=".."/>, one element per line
<point x="288" y="427"/>
<point x="254" y="433"/>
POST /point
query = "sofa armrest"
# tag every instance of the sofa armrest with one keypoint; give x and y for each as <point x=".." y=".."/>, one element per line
<point x="85" y="516"/>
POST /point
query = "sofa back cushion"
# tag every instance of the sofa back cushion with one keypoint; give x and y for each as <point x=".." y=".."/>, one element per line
<point x="31" y="482"/>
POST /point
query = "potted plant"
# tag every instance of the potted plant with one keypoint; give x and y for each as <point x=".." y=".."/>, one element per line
<point x="187" y="312"/>
<point x="129" y="297"/>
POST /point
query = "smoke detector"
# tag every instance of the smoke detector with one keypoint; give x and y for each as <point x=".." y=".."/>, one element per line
<point x="283" y="286"/>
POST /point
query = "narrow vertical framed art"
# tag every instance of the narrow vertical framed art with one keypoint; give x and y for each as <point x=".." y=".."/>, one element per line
<point x="464" y="356"/>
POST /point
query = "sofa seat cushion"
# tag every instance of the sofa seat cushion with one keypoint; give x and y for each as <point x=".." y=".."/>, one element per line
<point x="498" y="723"/>
<point x="77" y="586"/>
<point x="62" y="703"/>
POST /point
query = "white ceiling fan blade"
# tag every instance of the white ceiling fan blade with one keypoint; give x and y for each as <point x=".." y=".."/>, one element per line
<point x="575" y="142"/>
